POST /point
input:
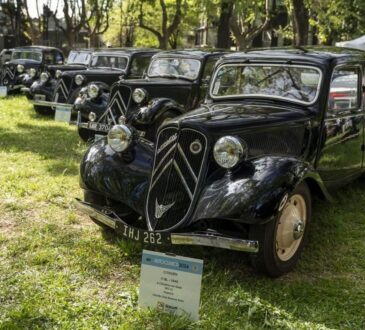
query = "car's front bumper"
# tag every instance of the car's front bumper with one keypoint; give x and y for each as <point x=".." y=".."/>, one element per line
<point x="44" y="103"/>
<point x="110" y="219"/>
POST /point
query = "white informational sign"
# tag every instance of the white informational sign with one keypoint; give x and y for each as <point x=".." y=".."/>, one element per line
<point x="63" y="114"/>
<point x="171" y="283"/>
<point x="3" y="91"/>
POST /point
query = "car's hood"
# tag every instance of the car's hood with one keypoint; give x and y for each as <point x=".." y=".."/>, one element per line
<point x="156" y="82"/>
<point x="235" y="117"/>
<point x="64" y="67"/>
<point x="94" y="72"/>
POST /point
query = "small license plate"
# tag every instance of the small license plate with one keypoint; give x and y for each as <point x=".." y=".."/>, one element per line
<point x="99" y="127"/>
<point x="143" y="236"/>
<point x="39" y="97"/>
<point x="3" y="91"/>
<point x="63" y="114"/>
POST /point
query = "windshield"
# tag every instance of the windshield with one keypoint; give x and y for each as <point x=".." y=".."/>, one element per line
<point x="78" y="58"/>
<point x="27" y="55"/>
<point x="174" y="68"/>
<point x="295" y="83"/>
<point x="109" y="61"/>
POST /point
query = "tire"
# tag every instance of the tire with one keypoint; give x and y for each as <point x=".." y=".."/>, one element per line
<point x="278" y="250"/>
<point x="92" y="198"/>
<point x="86" y="135"/>
<point x="152" y="131"/>
<point x="44" y="111"/>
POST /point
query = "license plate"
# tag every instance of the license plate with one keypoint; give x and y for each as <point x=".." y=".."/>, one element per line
<point x="3" y="91"/>
<point x="99" y="127"/>
<point x="39" y="97"/>
<point x="142" y="236"/>
<point x="63" y="114"/>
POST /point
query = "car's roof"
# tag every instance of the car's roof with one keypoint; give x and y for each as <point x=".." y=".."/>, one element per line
<point x="199" y="53"/>
<point x="315" y="54"/>
<point x="125" y="51"/>
<point x="34" y="48"/>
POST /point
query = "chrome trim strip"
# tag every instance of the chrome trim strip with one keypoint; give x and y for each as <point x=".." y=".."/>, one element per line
<point x="51" y="104"/>
<point x="162" y="172"/>
<point x="92" y="212"/>
<point x="163" y="159"/>
<point x="215" y="241"/>
<point x="187" y="163"/>
<point x="177" y="168"/>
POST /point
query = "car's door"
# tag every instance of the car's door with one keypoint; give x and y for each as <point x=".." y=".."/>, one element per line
<point x="342" y="153"/>
<point x="206" y="76"/>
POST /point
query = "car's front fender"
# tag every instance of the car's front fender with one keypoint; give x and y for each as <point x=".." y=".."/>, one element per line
<point x="252" y="193"/>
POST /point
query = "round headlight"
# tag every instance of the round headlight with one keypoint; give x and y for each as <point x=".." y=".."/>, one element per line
<point x="79" y="79"/>
<point x="58" y="74"/>
<point x="93" y="91"/>
<point x="119" y="138"/>
<point x="20" y="68"/>
<point x="228" y="150"/>
<point x="32" y="72"/>
<point x="138" y="95"/>
<point x="92" y="116"/>
<point x="44" y="77"/>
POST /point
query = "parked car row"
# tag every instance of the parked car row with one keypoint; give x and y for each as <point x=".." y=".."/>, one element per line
<point x="207" y="148"/>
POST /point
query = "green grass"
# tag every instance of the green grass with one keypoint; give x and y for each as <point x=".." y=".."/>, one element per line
<point x="58" y="270"/>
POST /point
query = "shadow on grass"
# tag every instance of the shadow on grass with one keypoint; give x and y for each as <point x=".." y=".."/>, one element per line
<point x="59" y="145"/>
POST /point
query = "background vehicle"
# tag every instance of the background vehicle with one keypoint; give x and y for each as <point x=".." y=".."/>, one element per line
<point x="43" y="88"/>
<point x="26" y="64"/>
<point x="240" y="171"/>
<point x="176" y="81"/>
<point x="106" y="67"/>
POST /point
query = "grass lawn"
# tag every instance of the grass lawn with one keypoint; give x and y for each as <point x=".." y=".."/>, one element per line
<point x="58" y="269"/>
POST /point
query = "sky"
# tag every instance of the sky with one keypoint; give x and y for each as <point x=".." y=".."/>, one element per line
<point x="32" y="4"/>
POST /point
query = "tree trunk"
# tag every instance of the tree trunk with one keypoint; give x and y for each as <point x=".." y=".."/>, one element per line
<point x="301" y="21"/>
<point x="224" y="40"/>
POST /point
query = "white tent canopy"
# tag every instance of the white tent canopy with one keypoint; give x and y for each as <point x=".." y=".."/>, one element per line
<point x="358" y="43"/>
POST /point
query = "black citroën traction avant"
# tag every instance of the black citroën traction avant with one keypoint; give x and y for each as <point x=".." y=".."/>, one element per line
<point x="106" y="67"/>
<point x="26" y="65"/>
<point x="238" y="172"/>
<point x="43" y="88"/>
<point x="176" y="82"/>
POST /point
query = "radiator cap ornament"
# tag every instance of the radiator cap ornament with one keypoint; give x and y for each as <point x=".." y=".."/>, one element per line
<point x="162" y="209"/>
<point x="196" y="147"/>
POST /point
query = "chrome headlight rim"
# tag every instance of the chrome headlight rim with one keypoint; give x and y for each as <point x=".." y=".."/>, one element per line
<point x="93" y="91"/>
<point x="20" y="68"/>
<point x="32" y="72"/>
<point x="139" y="95"/>
<point x="79" y="79"/>
<point x="120" y="138"/>
<point x="229" y="150"/>
<point x="44" y="77"/>
<point x="58" y="74"/>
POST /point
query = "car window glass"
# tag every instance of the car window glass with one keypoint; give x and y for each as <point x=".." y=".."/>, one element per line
<point x="208" y="68"/>
<point x="139" y="65"/>
<point x="78" y="58"/>
<point x="109" y="61"/>
<point x="27" y="55"/>
<point x="295" y="83"/>
<point x="344" y="90"/>
<point x="174" y="68"/>
<point x="48" y="58"/>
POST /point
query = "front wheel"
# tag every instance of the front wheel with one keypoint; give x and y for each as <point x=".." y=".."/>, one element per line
<point x="281" y="240"/>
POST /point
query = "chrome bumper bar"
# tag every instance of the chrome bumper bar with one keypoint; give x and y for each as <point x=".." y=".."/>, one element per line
<point x="51" y="104"/>
<point x="25" y="89"/>
<point x="204" y="239"/>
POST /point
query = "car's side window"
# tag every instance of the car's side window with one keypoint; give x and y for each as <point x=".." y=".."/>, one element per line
<point x="344" y="90"/>
<point x="208" y="68"/>
<point x="139" y="65"/>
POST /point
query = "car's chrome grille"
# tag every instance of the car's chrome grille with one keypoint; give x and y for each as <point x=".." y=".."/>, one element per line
<point x="62" y="90"/>
<point x="9" y="73"/>
<point x="175" y="178"/>
<point x="119" y="100"/>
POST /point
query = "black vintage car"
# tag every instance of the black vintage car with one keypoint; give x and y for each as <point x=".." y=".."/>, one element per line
<point x="176" y="82"/>
<point x="106" y="67"/>
<point x="26" y="65"/>
<point x="43" y="88"/>
<point x="240" y="171"/>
